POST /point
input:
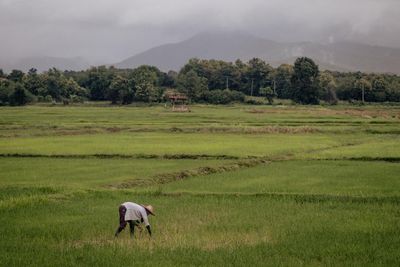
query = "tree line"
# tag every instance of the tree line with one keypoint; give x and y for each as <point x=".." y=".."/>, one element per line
<point x="204" y="81"/>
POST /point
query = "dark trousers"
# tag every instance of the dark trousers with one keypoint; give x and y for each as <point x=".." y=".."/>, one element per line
<point x="122" y="212"/>
<point x="123" y="223"/>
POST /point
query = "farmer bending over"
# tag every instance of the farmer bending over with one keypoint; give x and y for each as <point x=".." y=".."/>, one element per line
<point x="134" y="214"/>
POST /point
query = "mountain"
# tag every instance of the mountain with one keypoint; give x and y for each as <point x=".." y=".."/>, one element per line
<point x="342" y="56"/>
<point x="43" y="63"/>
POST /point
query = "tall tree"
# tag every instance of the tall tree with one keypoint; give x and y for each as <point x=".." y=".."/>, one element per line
<point x="6" y="88"/>
<point x="16" y="76"/>
<point x="60" y="88"/>
<point x="145" y="79"/>
<point x="120" y="91"/>
<point x="258" y="75"/>
<point x="73" y="90"/>
<point x="192" y="85"/>
<point x="328" y="87"/>
<point x="144" y="91"/>
<point x="98" y="82"/>
<point x="393" y="92"/>
<point x="169" y="79"/>
<point x="305" y="81"/>
<point x="282" y="78"/>
<point x="20" y="96"/>
<point x="362" y="88"/>
<point x="54" y="84"/>
<point x="145" y="74"/>
<point x="379" y="86"/>
<point x="33" y="82"/>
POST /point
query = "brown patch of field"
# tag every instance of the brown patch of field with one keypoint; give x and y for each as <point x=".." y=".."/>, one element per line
<point x="249" y="130"/>
<point x="370" y="114"/>
<point x="387" y="113"/>
<point x="115" y="129"/>
<point x="285" y="110"/>
<point x="175" y="176"/>
<point x="280" y="130"/>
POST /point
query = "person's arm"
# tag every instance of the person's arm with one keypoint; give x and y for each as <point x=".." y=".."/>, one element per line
<point x="148" y="229"/>
<point x="146" y="222"/>
<point x="119" y="230"/>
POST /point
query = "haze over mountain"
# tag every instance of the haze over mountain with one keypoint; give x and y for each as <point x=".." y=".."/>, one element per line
<point x="44" y="63"/>
<point x="110" y="31"/>
<point x="232" y="45"/>
<point x="229" y="46"/>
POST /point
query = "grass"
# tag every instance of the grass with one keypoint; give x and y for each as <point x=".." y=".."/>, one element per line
<point x="88" y="172"/>
<point x="347" y="178"/>
<point x="382" y="147"/>
<point x="202" y="231"/>
<point x="83" y="119"/>
<point x="173" y="143"/>
<point x="232" y="185"/>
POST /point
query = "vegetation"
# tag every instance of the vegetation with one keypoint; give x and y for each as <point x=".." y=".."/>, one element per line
<point x="305" y="81"/>
<point x="202" y="81"/>
<point x="232" y="185"/>
<point x="336" y="177"/>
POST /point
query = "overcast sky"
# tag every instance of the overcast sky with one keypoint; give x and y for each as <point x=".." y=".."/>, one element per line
<point x="111" y="30"/>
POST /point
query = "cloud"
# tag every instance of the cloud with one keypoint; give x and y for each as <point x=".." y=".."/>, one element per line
<point x="111" y="29"/>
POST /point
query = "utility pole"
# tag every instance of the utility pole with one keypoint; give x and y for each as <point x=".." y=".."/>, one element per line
<point x="274" y="87"/>
<point x="363" y="94"/>
<point x="252" y="84"/>
<point x="227" y="83"/>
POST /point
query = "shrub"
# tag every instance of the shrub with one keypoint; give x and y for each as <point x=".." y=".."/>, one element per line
<point x="20" y="96"/>
<point x="223" y="96"/>
<point x="6" y="89"/>
<point x="254" y="101"/>
<point x="48" y="98"/>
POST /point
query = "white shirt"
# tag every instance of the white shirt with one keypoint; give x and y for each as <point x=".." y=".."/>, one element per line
<point x="135" y="212"/>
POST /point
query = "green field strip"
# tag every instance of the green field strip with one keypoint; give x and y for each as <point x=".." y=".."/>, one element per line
<point x="172" y="143"/>
<point x="90" y="172"/>
<point x="236" y="185"/>
<point x="355" y="178"/>
<point x="123" y="156"/>
<point x="371" y="159"/>
<point x="297" y="197"/>
<point x="202" y="231"/>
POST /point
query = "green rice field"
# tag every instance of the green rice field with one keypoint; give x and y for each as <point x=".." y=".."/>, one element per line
<point x="231" y="185"/>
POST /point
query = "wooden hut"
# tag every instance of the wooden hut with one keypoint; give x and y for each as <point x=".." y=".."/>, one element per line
<point x="179" y="102"/>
